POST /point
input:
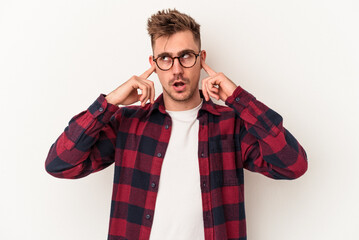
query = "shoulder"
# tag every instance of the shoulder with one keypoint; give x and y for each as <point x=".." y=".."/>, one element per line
<point x="218" y="113"/>
<point x="133" y="111"/>
<point x="222" y="109"/>
<point x="126" y="116"/>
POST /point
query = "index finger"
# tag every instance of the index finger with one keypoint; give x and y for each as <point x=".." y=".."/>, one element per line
<point x="209" y="70"/>
<point x="148" y="73"/>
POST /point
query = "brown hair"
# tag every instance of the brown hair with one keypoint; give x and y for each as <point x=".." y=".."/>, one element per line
<point x="168" y="22"/>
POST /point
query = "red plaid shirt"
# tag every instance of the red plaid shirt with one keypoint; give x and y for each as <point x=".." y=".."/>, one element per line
<point x="247" y="134"/>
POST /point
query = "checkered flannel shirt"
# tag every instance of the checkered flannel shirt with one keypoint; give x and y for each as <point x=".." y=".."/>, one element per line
<point x="244" y="134"/>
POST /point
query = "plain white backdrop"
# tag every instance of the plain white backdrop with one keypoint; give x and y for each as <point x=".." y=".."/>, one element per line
<point x="300" y="58"/>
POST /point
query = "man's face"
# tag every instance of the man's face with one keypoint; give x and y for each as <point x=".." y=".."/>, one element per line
<point x="179" y="84"/>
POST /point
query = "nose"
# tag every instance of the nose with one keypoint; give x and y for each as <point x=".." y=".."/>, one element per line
<point x="177" y="67"/>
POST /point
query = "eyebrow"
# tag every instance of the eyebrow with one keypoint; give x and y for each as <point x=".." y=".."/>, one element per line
<point x="178" y="53"/>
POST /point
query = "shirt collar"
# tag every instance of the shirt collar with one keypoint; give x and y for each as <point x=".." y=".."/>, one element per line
<point x="208" y="106"/>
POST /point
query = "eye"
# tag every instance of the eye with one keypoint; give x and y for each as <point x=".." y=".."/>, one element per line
<point x="186" y="55"/>
<point x="164" y="58"/>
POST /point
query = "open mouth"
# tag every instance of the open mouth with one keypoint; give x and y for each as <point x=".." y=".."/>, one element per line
<point x="179" y="86"/>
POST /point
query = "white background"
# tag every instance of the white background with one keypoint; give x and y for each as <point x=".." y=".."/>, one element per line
<point x="300" y="58"/>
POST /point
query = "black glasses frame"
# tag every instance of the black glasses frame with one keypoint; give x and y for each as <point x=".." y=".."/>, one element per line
<point x="173" y="60"/>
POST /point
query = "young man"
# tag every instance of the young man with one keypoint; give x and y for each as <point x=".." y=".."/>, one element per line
<point x="179" y="159"/>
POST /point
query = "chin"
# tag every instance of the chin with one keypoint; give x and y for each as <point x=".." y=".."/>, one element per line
<point x="181" y="97"/>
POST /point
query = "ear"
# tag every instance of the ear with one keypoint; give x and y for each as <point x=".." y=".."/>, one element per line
<point x="203" y="56"/>
<point x="150" y="59"/>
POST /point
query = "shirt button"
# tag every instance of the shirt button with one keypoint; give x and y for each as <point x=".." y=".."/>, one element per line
<point x="204" y="184"/>
<point x="237" y="99"/>
<point x="159" y="154"/>
<point x="167" y="127"/>
<point x="148" y="216"/>
<point x="100" y="109"/>
<point x="202" y="154"/>
<point x="153" y="185"/>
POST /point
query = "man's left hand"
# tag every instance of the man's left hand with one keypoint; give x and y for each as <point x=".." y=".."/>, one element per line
<point x="217" y="85"/>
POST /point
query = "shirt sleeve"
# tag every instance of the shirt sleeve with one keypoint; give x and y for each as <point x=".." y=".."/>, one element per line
<point x="87" y="144"/>
<point x="265" y="145"/>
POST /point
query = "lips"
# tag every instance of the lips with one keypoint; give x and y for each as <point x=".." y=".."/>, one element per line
<point x="179" y="86"/>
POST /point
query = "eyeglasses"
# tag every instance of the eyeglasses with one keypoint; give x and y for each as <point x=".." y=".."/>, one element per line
<point x="187" y="60"/>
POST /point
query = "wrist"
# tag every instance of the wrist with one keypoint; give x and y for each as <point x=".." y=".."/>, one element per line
<point x="110" y="100"/>
<point x="232" y="89"/>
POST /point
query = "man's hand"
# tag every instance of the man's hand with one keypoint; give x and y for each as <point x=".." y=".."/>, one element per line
<point x="217" y="85"/>
<point x="127" y="94"/>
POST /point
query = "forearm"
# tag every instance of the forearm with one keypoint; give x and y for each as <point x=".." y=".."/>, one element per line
<point x="267" y="147"/>
<point x="79" y="149"/>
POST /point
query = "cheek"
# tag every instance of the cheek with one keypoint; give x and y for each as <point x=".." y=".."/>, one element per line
<point x="162" y="76"/>
<point x="195" y="74"/>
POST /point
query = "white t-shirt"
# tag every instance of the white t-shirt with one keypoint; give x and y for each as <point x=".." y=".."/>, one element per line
<point x="178" y="212"/>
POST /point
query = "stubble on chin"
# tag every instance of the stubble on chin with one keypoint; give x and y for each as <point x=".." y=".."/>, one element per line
<point x="184" y="98"/>
<point x="188" y="93"/>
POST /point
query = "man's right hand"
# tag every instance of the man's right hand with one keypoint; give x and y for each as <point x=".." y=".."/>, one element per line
<point x="127" y="94"/>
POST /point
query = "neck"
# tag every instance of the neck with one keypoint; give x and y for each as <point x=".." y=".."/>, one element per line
<point x="181" y="105"/>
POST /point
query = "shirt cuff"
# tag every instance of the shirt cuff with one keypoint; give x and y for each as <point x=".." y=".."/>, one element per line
<point x="102" y="109"/>
<point x="240" y="96"/>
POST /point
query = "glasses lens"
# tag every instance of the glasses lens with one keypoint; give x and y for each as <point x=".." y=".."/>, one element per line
<point x="188" y="59"/>
<point x="164" y="62"/>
